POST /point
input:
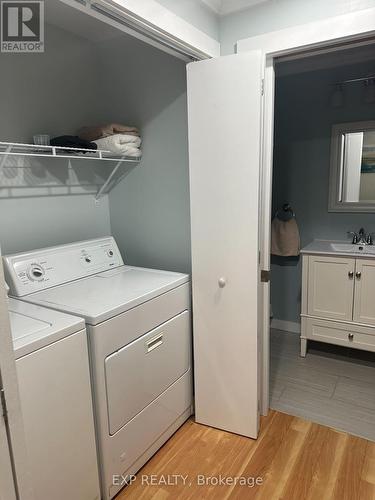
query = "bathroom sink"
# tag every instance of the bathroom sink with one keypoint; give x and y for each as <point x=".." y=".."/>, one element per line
<point x="349" y="248"/>
<point x="322" y="247"/>
<point x="344" y="247"/>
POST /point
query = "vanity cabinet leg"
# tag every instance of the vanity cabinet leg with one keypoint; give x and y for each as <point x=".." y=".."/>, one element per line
<point x="303" y="347"/>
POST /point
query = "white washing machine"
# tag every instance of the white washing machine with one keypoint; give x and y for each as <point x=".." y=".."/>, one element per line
<point x="138" y="323"/>
<point x="55" y="392"/>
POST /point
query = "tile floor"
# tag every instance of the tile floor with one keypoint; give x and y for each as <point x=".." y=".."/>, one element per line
<point x="332" y="386"/>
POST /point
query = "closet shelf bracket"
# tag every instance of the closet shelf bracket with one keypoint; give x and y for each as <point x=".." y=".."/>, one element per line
<point x="103" y="190"/>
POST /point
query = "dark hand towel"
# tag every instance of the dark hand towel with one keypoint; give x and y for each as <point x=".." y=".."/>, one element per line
<point x="73" y="141"/>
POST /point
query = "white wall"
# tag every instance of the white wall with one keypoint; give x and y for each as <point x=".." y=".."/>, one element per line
<point x="278" y="14"/>
<point x="196" y="13"/>
<point x="54" y="93"/>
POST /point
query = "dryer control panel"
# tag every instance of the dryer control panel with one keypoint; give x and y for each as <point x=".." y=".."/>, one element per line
<point x="34" y="271"/>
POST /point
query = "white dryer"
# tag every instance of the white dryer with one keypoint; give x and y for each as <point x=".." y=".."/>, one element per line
<point x="55" y="393"/>
<point x="138" y="323"/>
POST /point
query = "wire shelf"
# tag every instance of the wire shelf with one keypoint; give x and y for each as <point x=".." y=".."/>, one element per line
<point x="15" y="149"/>
<point x="32" y="150"/>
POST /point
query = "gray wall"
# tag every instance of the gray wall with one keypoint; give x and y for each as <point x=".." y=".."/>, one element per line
<point x="278" y="14"/>
<point x="196" y="13"/>
<point x="74" y="83"/>
<point x="29" y="223"/>
<point x="149" y="209"/>
<point x="304" y="118"/>
<point x="53" y="93"/>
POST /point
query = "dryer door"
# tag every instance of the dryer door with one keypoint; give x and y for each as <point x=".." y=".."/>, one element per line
<point x="139" y="372"/>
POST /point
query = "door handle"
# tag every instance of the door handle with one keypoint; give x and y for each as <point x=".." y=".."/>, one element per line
<point x="358" y="275"/>
<point x="154" y="342"/>
<point x="222" y="282"/>
<point x="351" y="336"/>
<point x="351" y="275"/>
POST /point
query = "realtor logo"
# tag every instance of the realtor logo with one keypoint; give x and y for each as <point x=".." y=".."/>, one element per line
<point x="22" y="26"/>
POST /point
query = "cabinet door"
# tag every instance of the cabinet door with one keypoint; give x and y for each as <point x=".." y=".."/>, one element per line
<point x="331" y="287"/>
<point x="364" y="296"/>
<point x="224" y="101"/>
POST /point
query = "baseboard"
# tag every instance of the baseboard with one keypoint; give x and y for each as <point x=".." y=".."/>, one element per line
<point x="287" y="326"/>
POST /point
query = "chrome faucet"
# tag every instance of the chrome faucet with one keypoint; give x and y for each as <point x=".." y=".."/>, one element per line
<point x="361" y="238"/>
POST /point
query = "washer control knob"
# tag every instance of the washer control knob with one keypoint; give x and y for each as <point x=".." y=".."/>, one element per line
<point x="35" y="272"/>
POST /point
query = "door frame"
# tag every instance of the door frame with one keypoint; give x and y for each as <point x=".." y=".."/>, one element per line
<point x="331" y="34"/>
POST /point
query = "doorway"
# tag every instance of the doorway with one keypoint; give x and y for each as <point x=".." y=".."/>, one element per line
<point x="332" y="385"/>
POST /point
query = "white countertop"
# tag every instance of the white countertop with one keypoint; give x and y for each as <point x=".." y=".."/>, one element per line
<point x="331" y="247"/>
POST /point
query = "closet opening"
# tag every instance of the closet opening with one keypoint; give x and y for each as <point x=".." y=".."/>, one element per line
<point x="322" y="336"/>
<point x="122" y="203"/>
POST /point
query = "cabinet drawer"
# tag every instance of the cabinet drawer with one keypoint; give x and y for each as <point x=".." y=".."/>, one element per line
<point x="343" y="334"/>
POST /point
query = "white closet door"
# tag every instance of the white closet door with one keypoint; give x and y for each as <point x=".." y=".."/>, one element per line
<point x="224" y="105"/>
<point x="7" y="491"/>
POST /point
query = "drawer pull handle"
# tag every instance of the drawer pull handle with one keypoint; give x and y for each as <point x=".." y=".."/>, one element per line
<point x="351" y="275"/>
<point x="154" y="342"/>
<point x="358" y="275"/>
<point x="351" y="336"/>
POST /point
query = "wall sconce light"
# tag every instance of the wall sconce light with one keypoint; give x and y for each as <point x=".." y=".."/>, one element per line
<point x="337" y="98"/>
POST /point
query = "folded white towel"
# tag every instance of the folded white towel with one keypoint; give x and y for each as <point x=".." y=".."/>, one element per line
<point x="118" y="143"/>
<point x="133" y="152"/>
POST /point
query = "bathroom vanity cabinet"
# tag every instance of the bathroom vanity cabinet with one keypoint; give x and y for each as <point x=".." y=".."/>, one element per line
<point x="338" y="298"/>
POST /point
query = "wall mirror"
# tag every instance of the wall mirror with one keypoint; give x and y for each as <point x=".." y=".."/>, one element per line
<point x="352" y="176"/>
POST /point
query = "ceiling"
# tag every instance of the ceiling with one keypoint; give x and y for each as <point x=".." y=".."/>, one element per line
<point x="349" y="56"/>
<point x="224" y="7"/>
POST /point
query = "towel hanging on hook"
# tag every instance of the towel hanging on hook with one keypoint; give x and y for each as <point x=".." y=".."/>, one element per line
<point x="285" y="234"/>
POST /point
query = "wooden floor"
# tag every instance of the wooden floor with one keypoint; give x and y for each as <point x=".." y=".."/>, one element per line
<point x="332" y="386"/>
<point x="295" y="459"/>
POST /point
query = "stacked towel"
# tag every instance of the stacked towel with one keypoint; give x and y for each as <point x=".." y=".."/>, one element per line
<point x="122" y="144"/>
<point x="101" y="131"/>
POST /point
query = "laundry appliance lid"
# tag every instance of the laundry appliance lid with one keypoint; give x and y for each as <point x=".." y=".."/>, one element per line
<point x="34" y="327"/>
<point x="104" y="295"/>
